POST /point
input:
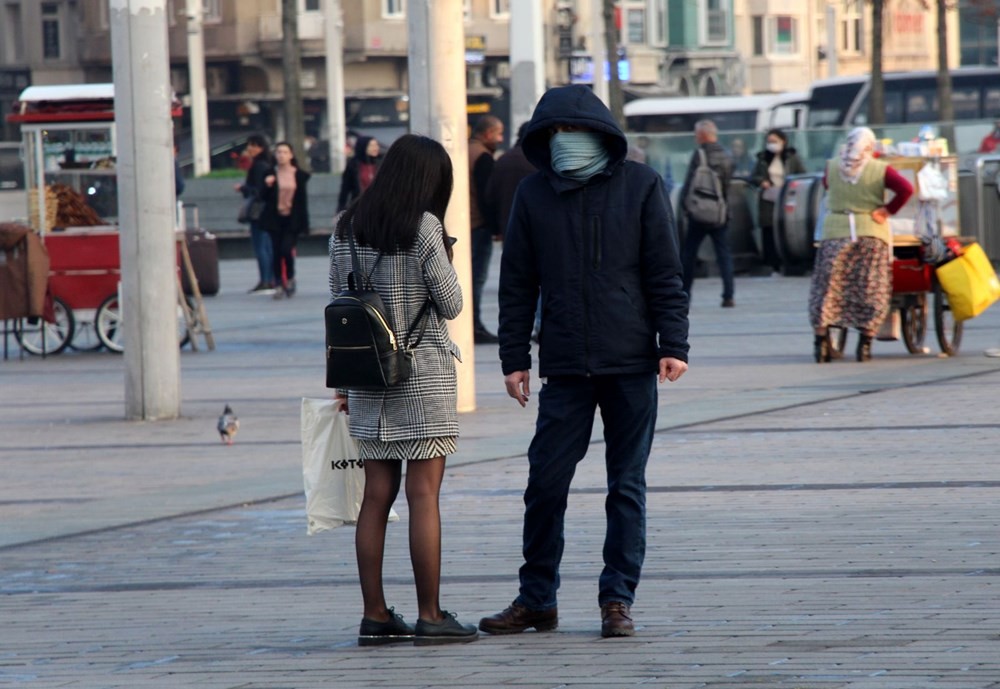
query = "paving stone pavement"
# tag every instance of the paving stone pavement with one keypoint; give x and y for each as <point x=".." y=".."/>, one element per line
<point x="810" y="527"/>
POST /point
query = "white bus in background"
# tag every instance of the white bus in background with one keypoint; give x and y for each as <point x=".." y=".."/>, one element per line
<point x="730" y="113"/>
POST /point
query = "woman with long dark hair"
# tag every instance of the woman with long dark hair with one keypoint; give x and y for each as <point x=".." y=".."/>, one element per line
<point x="397" y="227"/>
<point x="286" y="214"/>
<point x="359" y="171"/>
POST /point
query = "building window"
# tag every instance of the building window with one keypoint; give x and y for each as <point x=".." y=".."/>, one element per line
<point x="851" y="36"/>
<point x="311" y="6"/>
<point x="213" y="11"/>
<point x="393" y="9"/>
<point x="758" y="35"/>
<point x="784" y="36"/>
<point x="500" y="9"/>
<point x="715" y="25"/>
<point x="635" y="25"/>
<point x="658" y="19"/>
<point x="51" y="29"/>
<point x="13" y="38"/>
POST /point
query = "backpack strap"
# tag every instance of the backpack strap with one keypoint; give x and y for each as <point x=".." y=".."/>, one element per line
<point x="366" y="281"/>
<point x="422" y="320"/>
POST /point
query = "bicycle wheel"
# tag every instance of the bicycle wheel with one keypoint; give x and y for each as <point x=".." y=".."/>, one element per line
<point x="948" y="330"/>
<point x="914" y="323"/>
<point x="38" y="336"/>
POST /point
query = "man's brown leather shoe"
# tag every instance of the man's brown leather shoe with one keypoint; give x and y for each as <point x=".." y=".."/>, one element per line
<point x="516" y="618"/>
<point x="615" y="620"/>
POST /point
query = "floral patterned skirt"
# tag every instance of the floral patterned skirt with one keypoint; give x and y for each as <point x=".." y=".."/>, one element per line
<point x="424" y="448"/>
<point x="851" y="284"/>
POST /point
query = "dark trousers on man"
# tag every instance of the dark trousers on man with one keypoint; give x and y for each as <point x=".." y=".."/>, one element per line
<point x="482" y="252"/>
<point x="696" y="233"/>
<point x="566" y="406"/>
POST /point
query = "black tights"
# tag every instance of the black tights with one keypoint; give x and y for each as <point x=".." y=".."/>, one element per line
<point x="423" y="487"/>
<point x="283" y="242"/>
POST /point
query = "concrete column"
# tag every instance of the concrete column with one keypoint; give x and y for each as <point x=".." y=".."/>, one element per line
<point x="333" y="24"/>
<point x="199" y="97"/>
<point x="597" y="50"/>
<point x="831" y="41"/>
<point x="146" y="208"/>
<point x="527" y="61"/>
<point x="437" y="110"/>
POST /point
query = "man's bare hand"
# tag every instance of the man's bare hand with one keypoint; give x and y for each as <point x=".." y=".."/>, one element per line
<point x="517" y="386"/>
<point x="671" y="369"/>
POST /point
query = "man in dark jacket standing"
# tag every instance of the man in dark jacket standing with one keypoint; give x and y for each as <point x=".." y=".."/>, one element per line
<point x="706" y="137"/>
<point x="487" y="135"/>
<point x="594" y="235"/>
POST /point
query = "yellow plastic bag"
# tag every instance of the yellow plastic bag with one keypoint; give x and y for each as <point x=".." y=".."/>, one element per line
<point x="970" y="283"/>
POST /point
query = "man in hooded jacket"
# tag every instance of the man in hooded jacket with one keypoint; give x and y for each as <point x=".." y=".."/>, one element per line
<point x="594" y="235"/>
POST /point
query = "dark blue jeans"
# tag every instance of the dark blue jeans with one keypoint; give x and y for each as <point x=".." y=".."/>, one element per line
<point x="482" y="252"/>
<point x="566" y="408"/>
<point x="696" y="233"/>
<point x="264" y="252"/>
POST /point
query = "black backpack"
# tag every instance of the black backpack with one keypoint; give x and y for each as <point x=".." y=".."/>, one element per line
<point x="705" y="201"/>
<point x="362" y="351"/>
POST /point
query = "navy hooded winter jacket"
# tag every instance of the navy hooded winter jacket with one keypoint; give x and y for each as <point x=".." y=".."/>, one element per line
<point x="603" y="253"/>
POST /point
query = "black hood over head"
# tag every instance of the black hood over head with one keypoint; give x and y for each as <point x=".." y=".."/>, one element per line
<point x="576" y="105"/>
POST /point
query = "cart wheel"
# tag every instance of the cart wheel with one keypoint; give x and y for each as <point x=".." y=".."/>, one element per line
<point x="38" y="336"/>
<point x="108" y="324"/>
<point x="914" y="323"/>
<point x="949" y="331"/>
<point x="837" y="338"/>
<point x="85" y="337"/>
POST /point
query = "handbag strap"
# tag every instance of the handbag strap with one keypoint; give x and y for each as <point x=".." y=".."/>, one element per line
<point x="367" y="282"/>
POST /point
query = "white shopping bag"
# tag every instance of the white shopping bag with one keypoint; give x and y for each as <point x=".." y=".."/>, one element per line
<point x="333" y="475"/>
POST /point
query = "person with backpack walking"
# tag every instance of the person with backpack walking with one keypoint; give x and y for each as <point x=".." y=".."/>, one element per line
<point x="706" y="211"/>
<point x="405" y="252"/>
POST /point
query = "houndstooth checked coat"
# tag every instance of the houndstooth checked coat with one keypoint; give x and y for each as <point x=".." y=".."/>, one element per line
<point x="425" y="406"/>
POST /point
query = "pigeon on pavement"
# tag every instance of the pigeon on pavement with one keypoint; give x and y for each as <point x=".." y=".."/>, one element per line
<point x="228" y="425"/>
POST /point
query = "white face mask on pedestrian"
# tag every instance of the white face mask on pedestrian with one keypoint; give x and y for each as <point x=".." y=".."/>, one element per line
<point x="774" y="147"/>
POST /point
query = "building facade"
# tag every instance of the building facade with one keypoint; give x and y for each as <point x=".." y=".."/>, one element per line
<point x="666" y="47"/>
<point x="788" y="44"/>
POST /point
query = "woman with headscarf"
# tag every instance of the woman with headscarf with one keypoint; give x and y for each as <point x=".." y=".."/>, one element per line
<point x="359" y="171"/>
<point x="852" y="278"/>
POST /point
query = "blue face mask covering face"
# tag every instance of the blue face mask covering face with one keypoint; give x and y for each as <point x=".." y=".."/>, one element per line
<point x="578" y="155"/>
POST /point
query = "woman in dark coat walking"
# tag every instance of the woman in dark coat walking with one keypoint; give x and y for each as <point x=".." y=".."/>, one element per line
<point x="402" y="244"/>
<point x="261" y="163"/>
<point x="359" y="171"/>
<point x="774" y="163"/>
<point x="286" y="214"/>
